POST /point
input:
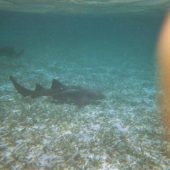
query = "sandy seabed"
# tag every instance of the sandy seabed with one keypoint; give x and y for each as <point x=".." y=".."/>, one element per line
<point x="122" y="132"/>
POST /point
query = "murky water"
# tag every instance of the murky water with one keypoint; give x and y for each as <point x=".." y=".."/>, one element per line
<point x="111" y="54"/>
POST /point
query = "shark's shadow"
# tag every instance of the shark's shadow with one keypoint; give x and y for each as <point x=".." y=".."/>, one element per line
<point x="61" y="93"/>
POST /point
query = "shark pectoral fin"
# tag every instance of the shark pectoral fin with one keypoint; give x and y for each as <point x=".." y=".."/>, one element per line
<point x="22" y="90"/>
<point x="57" y="85"/>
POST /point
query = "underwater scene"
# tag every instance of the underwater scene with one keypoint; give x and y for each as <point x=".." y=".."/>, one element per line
<point x="80" y="92"/>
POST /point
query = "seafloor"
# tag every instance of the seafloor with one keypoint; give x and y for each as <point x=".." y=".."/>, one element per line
<point x="113" y="55"/>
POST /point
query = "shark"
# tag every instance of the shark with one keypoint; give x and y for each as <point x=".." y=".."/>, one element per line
<point x="61" y="93"/>
<point x="10" y="52"/>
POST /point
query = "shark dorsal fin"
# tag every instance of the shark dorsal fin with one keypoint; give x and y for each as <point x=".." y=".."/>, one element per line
<point x="38" y="87"/>
<point x="56" y="85"/>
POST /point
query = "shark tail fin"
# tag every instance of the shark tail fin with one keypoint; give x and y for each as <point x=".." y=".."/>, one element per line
<point x="22" y="90"/>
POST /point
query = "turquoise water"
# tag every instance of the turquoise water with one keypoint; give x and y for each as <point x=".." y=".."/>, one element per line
<point x="113" y="54"/>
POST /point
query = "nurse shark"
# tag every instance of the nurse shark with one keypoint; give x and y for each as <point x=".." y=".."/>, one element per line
<point x="10" y="52"/>
<point x="61" y="93"/>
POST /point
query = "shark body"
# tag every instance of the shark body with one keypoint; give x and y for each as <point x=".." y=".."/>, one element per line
<point x="60" y="93"/>
<point x="10" y="52"/>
